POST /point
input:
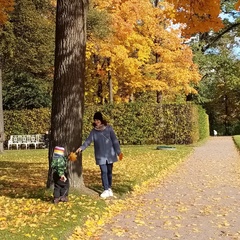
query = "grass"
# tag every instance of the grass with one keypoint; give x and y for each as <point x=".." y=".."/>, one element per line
<point x="25" y="204"/>
<point x="236" y="139"/>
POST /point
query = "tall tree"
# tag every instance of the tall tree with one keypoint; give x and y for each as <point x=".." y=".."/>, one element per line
<point x="218" y="90"/>
<point x="5" y="8"/>
<point x="215" y="53"/>
<point x="28" y="54"/>
<point x="68" y="87"/>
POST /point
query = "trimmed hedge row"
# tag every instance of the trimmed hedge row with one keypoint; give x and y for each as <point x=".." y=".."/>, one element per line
<point x="134" y="123"/>
<point x="26" y="121"/>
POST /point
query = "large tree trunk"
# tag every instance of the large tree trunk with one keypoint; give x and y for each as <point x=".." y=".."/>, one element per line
<point x="68" y="87"/>
<point x="2" y="138"/>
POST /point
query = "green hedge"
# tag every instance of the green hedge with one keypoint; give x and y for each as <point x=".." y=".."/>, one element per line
<point x="203" y="123"/>
<point x="134" y="123"/>
<point x="26" y="121"/>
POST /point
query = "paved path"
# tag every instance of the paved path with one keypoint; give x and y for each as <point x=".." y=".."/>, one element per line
<point x="200" y="200"/>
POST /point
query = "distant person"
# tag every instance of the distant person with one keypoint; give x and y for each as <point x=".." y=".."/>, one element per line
<point x="46" y="139"/>
<point x="61" y="182"/>
<point x="215" y="133"/>
<point x="106" y="150"/>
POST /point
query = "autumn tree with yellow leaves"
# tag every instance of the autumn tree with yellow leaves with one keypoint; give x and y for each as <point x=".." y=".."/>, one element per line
<point x="143" y="53"/>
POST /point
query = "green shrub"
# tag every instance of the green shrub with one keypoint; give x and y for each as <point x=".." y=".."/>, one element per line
<point x="134" y="123"/>
<point x="26" y="121"/>
<point x="203" y="123"/>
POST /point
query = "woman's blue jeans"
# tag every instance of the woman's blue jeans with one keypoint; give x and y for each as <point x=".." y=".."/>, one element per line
<point x="106" y="175"/>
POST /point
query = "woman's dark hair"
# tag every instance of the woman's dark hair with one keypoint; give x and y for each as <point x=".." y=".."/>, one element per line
<point x="104" y="122"/>
<point x="99" y="116"/>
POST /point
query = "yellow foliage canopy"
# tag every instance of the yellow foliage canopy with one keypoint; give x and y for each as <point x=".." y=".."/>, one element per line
<point x="6" y="6"/>
<point x="143" y="54"/>
<point x="237" y="5"/>
<point x="198" y="16"/>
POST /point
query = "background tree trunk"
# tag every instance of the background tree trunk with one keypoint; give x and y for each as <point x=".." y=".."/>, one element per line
<point x="68" y="87"/>
<point x="159" y="96"/>
<point x="2" y="137"/>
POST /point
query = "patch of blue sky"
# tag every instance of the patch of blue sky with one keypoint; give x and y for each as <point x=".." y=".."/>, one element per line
<point x="214" y="51"/>
<point x="231" y="16"/>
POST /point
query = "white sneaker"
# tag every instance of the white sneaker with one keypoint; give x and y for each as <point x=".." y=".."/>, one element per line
<point x="105" y="194"/>
<point x="110" y="192"/>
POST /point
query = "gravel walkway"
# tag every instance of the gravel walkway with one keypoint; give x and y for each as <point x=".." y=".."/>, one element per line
<point x="200" y="200"/>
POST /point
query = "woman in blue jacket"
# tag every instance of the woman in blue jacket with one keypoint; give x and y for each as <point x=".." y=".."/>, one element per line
<point x="106" y="150"/>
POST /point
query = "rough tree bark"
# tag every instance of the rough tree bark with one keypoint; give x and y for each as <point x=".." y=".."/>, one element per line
<point x="2" y="136"/>
<point x="68" y="87"/>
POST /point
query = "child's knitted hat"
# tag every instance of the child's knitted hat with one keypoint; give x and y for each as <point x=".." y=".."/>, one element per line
<point x="58" y="152"/>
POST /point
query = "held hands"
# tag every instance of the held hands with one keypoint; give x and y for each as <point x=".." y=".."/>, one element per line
<point x="120" y="156"/>
<point x="78" y="150"/>
<point x="63" y="178"/>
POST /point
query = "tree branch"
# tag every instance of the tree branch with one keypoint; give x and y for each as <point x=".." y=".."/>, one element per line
<point x="215" y="39"/>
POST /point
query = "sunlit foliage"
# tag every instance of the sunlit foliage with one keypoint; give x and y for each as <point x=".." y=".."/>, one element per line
<point x="142" y="53"/>
<point x="6" y="6"/>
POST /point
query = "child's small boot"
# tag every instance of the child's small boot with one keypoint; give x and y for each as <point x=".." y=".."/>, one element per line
<point x="56" y="200"/>
<point x="64" y="199"/>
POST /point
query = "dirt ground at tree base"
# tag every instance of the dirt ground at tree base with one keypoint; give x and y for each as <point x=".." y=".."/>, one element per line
<point x="200" y="200"/>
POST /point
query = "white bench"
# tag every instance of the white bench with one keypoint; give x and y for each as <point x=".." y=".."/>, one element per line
<point x="26" y="141"/>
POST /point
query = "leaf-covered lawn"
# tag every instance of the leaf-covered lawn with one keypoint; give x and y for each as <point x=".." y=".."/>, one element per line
<point x="236" y="139"/>
<point x="25" y="205"/>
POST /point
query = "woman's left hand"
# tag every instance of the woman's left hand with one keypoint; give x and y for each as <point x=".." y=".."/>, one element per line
<point x="120" y="156"/>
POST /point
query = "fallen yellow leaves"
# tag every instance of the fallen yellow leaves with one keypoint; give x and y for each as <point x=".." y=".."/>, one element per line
<point x="118" y="231"/>
<point x="139" y="222"/>
<point x="207" y="210"/>
<point x="26" y="207"/>
<point x="224" y="224"/>
<point x="17" y="213"/>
